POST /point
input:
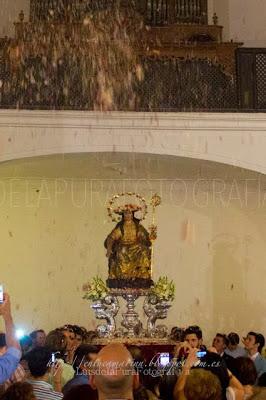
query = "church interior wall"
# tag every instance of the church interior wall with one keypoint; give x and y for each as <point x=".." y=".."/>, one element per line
<point x="211" y="237"/>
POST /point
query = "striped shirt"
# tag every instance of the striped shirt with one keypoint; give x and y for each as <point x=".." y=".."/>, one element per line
<point x="44" y="391"/>
<point x="18" y="376"/>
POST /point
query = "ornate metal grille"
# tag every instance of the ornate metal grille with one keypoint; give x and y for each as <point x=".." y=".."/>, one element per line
<point x="185" y="85"/>
<point x="251" y="75"/>
<point x="170" y="84"/>
<point x="61" y="10"/>
<point x="261" y="80"/>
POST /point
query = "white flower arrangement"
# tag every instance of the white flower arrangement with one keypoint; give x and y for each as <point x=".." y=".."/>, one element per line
<point x="95" y="290"/>
<point x="164" y="289"/>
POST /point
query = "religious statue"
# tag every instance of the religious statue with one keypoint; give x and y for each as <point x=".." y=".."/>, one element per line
<point x="129" y="245"/>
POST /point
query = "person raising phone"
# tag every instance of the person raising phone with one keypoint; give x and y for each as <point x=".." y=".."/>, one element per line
<point x="9" y="361"/>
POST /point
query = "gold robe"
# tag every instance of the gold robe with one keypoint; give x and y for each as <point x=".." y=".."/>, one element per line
<point x="131" y="252"/>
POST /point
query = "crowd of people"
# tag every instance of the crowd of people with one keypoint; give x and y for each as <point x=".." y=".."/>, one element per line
<point x="64" y="364"/>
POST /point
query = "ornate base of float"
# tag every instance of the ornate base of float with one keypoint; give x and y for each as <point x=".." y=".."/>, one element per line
<point x="136" y="283"/>
<point x="131" y="325"/>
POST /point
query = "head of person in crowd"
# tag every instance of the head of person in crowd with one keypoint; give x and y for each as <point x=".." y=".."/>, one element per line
<point x="114" y="375"/>
<point x="38" y="338"/>
<point x="70" y="337"/>
<point x="84" y="357"/>
<point x="90" y="336"/>
<point x="233" y="341"/>
<point x="213" y="363"/>
<point x="193" y="335"/>
<point x="151" y="380"/>
<point x="138" y="359"/>
<point x="220" y="342"/>
<point x="245" y="371"/>
<point x="39" y="361"/>
<point x="57" y="342"/>
<point x="79" y="335"/>
<point x="177" y="334"/>
<point x="166" y="386"/>
<point x="81" y="392"/>
<point x="19" y="391"/>
<point x="202" y="385"/>
<point x="254" y="342"/>
<point x="25" y="344"/>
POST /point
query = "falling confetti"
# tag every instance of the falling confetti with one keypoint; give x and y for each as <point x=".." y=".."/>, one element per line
<point x="95" y="57"/>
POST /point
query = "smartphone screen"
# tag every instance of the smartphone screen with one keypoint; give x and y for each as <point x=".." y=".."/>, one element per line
<point x="1" y="294"/>
<point x="164" y="359"/>
<point x="53" y="358"/>
<point x="201" y="354"/>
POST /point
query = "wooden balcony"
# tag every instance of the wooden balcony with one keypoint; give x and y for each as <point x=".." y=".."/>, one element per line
<point x="187" y="66"/>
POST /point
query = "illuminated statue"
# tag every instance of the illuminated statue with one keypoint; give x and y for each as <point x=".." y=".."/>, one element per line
<point x="129" y="246"/>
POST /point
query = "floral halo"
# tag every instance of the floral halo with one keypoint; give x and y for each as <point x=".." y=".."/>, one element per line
<point x="141" y="206"/>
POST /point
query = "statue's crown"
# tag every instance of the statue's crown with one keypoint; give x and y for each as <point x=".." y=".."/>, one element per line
<point x="127" y="207"/>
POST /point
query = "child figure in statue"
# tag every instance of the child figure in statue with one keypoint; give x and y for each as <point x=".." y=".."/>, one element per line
<point x="129" y="252"/>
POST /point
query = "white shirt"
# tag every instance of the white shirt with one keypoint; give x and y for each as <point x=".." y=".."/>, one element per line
<point x="254" y="356"/>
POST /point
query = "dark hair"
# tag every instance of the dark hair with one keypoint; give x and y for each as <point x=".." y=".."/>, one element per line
<point x="262" y="380"/>
<point x="33" y="334"/>
<point x="56" y="341"/>
<point x="19" y="391"/>
<point x="244" y="370"/>
<point x="233" y="338"/>
<point x="138" y="359"/>
<point x="81" y="392"/>
<point x="81" y="354"/>
<point x="38" y="361"/>
<point x="138" y="226"/>
<point x="2" y="340"/>
<point x="177" y="334"/>
<point x="193" y="329"/>
<point x="78" y="330"/>
<point x="259" y="338"/>
<point x="166" y="386"/>
<point x="224" y="337"/>
<point x="90" y="336"/>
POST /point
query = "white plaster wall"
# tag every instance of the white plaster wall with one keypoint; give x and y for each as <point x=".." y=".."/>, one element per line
<point x="221" y="8"/>
<point x="247" y="22"/>
<point x="235" y="139"/>
<point x="9" y="11"/>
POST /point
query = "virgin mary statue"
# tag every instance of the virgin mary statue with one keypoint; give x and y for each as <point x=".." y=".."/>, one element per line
<point x="129" y="251"/>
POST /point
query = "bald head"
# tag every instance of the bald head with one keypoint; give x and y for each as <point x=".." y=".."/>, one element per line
<point x="114" y="375"/>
